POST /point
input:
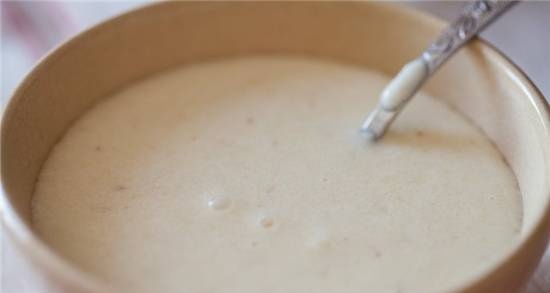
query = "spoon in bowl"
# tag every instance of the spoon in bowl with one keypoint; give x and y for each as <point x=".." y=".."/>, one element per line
<point x="475" y="17"/>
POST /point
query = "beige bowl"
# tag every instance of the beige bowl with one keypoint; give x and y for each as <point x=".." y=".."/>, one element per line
<point x="479" y="82"/>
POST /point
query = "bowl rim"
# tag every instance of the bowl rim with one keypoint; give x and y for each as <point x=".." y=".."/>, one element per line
<point x="58" y="268"/>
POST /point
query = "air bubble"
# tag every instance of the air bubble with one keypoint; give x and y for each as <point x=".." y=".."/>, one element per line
<point x="320" y="239"/>
<point x="266" y="222"/>
<point x="219" y="203"/>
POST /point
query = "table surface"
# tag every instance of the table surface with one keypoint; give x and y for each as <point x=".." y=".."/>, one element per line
<point x="522" y="34"/>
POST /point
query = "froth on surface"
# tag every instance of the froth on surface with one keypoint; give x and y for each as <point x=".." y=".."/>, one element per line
<point x="249" y="175"/>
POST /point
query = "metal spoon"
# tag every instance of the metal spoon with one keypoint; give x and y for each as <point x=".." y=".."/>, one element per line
<point x="475" y="16"/>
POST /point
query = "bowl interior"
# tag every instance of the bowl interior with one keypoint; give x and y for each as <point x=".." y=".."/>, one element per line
<point x="478" y="81"/>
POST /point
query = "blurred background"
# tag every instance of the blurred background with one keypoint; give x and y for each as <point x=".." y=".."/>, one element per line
<point x="31" y="28"/>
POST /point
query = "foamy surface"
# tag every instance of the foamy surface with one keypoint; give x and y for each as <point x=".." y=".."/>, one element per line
<point x="250" y="175"/>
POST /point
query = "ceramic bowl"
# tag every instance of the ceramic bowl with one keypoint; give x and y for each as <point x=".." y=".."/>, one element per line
<point x="479" y="82"/>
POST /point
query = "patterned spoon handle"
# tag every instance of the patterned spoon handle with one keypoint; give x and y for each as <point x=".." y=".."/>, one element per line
<point x="475" y="16"/>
